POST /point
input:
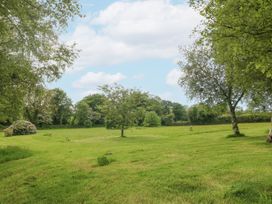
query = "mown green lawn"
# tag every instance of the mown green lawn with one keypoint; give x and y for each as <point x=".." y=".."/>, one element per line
<point x="151" y="165"/>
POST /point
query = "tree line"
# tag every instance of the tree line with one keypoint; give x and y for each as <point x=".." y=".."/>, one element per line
<point x="118" y="107"/>
<point x="230" y="62"/>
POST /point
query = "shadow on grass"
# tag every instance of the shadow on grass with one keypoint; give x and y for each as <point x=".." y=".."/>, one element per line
<point x="138" y="138"/>
<point x="250" y="192"/>
<point x="236" y="136"/>
<point x="256" y="140"/>
<point x="10" y="153"/>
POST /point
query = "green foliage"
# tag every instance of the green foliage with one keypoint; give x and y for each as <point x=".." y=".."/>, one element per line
<point x="10" y="153"/>
<point x="155" y="104"/>
<point x="16" y="79"/>
<point x="152" y="119"/>
<point x="179" y="112"/>
<point x="83" y="114"/>
<point x="20" y="127"/>
<point x="8" y="132"/>
<point x="201" y="114"/>
<point x="30" y="50"/>
<point x="209" y="81"/>
<point x="141" y="104"/>
<point x="247" y="117"/>
<point x="168" y="119"/>
<point x="61" y="107"/>
<point x="197" y="116"/>
<point x="119" y="108"/>
<point x="38" y="107"/>
<point x="33" y="27"/>
<point x="103" y="161"/>
<point x="96" y="102"/>
<point x="240" y="31"/>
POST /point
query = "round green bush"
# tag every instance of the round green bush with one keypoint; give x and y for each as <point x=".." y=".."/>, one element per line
<point x="152" y="119"/>
<point x="20" y="127"/>
<point x="103" y="161"/>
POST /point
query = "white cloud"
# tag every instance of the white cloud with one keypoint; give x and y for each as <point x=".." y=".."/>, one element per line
<point x="94" y="79"/>
<point x="173" y="76"/>
<point x="132" y="30"/>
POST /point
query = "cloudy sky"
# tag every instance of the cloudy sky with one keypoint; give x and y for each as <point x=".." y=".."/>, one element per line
<point x="131" y="42"/>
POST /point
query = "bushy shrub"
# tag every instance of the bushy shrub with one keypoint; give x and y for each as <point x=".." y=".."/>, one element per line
<point x="88" y="123"/>
<point x="20" y="127"/>
<point x="8" y="132"/>
<point x="152" y="119"/>
<point x="246" y="118"/>
<point x="103" y="161"/>
<point x="168" y="119"/>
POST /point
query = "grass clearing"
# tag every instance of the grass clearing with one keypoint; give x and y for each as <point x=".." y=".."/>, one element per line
<point x="150" y="165"/>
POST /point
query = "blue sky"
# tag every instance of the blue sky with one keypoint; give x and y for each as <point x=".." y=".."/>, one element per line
<point x="133" y="43"/>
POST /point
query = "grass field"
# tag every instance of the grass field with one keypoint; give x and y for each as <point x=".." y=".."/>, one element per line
<point x="151" y="165"/>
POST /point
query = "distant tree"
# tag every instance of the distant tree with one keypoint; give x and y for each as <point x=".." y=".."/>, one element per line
<point x="141" y="102"/>
<point x="260" y="99"/>
<point x="167" y="119"/>
<point x="155" y="104"/>
<point x="167" y="107"/>
<point x="152" y="119"/>
<point x="38" y="107"/>
<point x="83" y="114"/>
<point x="62" y="107"/>
<point x="208" y="81"/>
<point x="201" y="114"/>
<point x="95" y="102"/>
<point x="179" y="111"/>
<point x="119" y="108"/>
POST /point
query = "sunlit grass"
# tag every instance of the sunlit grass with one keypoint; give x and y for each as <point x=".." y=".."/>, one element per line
<point x="150" y="165"/>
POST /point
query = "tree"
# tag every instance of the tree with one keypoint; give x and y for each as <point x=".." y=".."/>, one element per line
<point x="208" y="81"/>
<point x="37" y="106"/>
<point x="95" y="102"/>
<point x="201" y="114"/>
<point x="179" y="111"/>
<point x="155" y="104"/>
<point x="260" y="98"/>
<point x="16" y="79"/>
<point x="167" y="119"/>
<point x="29" y="30"/>
<point x="62" y="107"/>
<point x="30" y="49"/>
<point x="83" y="114"/>
<point x="141" y="103"/>
<point x="239" y="30"/>
<point x="119" y="108"/>
<point x="152" y="119"/>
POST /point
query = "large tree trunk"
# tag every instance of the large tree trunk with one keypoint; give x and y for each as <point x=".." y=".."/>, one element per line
<point x="235" y="128"/>
<point x="122" y="131"/>
<point x="271" y="122"/>
<point x="269" y="136"/>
